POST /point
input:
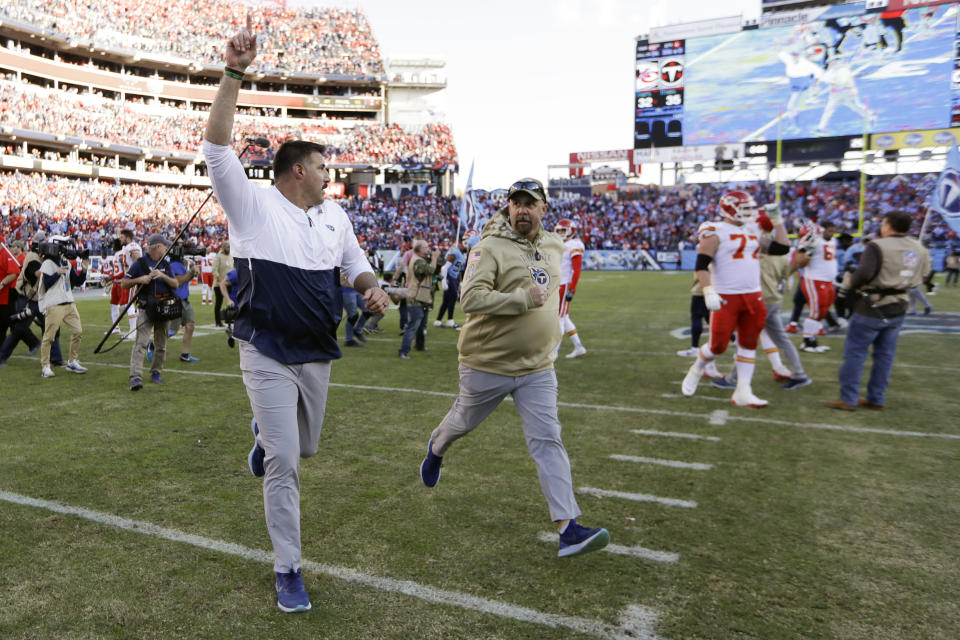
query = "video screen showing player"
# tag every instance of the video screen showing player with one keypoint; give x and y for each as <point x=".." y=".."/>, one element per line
<point x="844" y="75"/>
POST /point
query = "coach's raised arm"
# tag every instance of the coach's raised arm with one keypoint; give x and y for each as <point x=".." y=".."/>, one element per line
<point x="289" y="248"/>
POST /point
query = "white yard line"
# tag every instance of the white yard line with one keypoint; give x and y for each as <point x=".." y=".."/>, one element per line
<point x="599" y="407"/>
<point x="674" y="434"/>
<point x="677" y="396"/>
<point x="635" y="552"/>
<point x="677" y="464"/>
<point x="719" y="417"/>
<point x="636" y="622"/>
<point x="638" y="497"/>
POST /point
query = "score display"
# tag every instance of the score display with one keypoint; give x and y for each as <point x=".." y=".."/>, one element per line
<point x="659" y="95"/>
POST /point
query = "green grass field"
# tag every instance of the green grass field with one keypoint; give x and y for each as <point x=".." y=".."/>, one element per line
<point x="800" y="522"/>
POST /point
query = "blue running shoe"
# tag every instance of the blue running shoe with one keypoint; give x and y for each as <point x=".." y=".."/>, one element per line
<point x="136" y="384"/>
<point x="723" y="383"/>
<point x="150" y="352"/>
<point x="155" y="377"/>
<point x="796" y="383"/>
<point x="291" y="596"/>
<point x="255" y="457"/>
<point x="430" y="467"/>
<point x="576" y="540"/>
<point x="186" y="357"/>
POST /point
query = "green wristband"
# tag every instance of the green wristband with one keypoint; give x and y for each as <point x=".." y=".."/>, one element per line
<point x="233" y="73"/>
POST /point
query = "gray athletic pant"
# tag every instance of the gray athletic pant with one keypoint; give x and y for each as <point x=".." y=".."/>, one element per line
<point x="774" y="329"/>
<point x="535" y="395"/>
<point x="288" y="402"/>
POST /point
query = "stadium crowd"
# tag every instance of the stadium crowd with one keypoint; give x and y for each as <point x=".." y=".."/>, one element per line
<point x="167" y="128"/>
<point x="663" y="218"/>
<point x="317" y="41"/>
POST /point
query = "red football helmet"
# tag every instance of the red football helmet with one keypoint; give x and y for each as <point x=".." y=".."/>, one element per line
<point x="808" y="232"/>
<point x="738" y="206"/>
<point x="565" y="228"/>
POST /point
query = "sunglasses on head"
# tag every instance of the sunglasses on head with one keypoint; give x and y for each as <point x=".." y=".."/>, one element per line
<point x="525" y="185"/>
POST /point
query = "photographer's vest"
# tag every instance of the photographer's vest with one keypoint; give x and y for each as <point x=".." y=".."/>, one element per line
<point x="419" y="290"/>
<point x="23" y="286"/>
<point x="903" y="264"/>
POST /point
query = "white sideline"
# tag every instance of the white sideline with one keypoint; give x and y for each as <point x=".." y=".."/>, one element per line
<point x="638" y="497"/>
<point x="636" y="622"/>
<point x="674" y="434"/>
<point x="635" y="552"/>
<point x="698" y="466"/>
<point x="577" y="405"/>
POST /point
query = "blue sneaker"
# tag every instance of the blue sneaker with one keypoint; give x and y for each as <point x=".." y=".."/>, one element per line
<point x="430" y="467"/>
<point x="358" y="336"/>
<point x="291" y="596"/>
<point x="155" y="377"/>
<point x="186" y="357"/>
<point x="796" y="383"/>
<point x="576" y="540"/>
<point x="136" y="384"/>
<point x="255" y="457"/>
<point x="723" y="383"/>
<point x="150" y="352"/>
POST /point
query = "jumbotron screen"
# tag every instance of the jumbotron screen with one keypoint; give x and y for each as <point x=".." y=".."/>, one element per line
<point x="838" y="75"/>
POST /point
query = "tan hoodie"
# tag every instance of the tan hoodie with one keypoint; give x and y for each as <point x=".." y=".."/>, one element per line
<point x="504" y="334"/>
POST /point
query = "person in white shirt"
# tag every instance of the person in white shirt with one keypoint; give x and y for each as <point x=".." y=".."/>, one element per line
<point x="289" y="247"/>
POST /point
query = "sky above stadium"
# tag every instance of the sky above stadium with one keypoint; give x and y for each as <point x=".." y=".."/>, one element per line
<point x="528" y="82"/>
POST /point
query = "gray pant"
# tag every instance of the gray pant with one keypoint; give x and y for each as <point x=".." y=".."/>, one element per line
<point x="146" y="327"/>
<point x="775" y="331"/>
<point x="536" y="398"/>
<point x="288" y="402"/>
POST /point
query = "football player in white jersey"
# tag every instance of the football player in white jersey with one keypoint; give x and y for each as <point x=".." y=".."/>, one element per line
<point x="732" y="290"/>
<point x="206" y="276"/>
<point x="570" y="266"/>
<point x="817" y="256"/>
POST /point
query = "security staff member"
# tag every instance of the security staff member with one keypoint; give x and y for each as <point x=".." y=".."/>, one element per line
<point x="889" y="267"/>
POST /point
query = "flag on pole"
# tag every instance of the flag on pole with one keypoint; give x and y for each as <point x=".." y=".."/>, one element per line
<point x="466" y="210"/>
<point x="946" y="196"/>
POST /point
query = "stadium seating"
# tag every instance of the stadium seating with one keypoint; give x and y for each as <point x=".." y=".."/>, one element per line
<point x="660" y="218"/>
<point x="163" y="128"/>
<point x="317" y="41"/>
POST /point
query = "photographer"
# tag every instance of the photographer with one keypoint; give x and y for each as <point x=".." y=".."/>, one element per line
<point x="55" y="291"/>
<point x="28" y="310"/>
<point x="158" y="304"/>
<point x="180" y="265"/>
<point x="420" y="274"/>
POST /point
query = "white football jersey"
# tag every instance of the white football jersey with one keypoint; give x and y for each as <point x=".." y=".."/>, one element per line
<point x="206" y="262"/>
<point x="736" y="264"/>
<point x="823" y="260"/>
<point x="124" y="259"/>
<point x="572" y="247"/>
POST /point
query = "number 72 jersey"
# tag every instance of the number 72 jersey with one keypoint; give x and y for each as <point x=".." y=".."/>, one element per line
<point x="736" y="264"/>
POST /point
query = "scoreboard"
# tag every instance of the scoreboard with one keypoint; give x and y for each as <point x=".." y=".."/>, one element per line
<point x="821" y="73"/>
<point x="659" y="95"/>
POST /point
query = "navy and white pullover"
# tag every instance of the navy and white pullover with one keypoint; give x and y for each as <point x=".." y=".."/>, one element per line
<point x="288" y="264"/>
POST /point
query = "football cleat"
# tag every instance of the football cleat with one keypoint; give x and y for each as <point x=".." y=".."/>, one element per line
<point x="690" y="381"/>
<point x="746" y="398"/>
<point x="711" y="372"/>
<point x="781" y="376"/>
<point x="688" y="353"/>
<point x="577" y="352"/>
<point x="792" y="327"/>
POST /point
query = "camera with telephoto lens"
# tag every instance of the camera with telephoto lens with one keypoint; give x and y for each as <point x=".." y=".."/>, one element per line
<point x="57" y="248"/>
<point x="23" y="315"/>
<point x="178" y="251"/>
